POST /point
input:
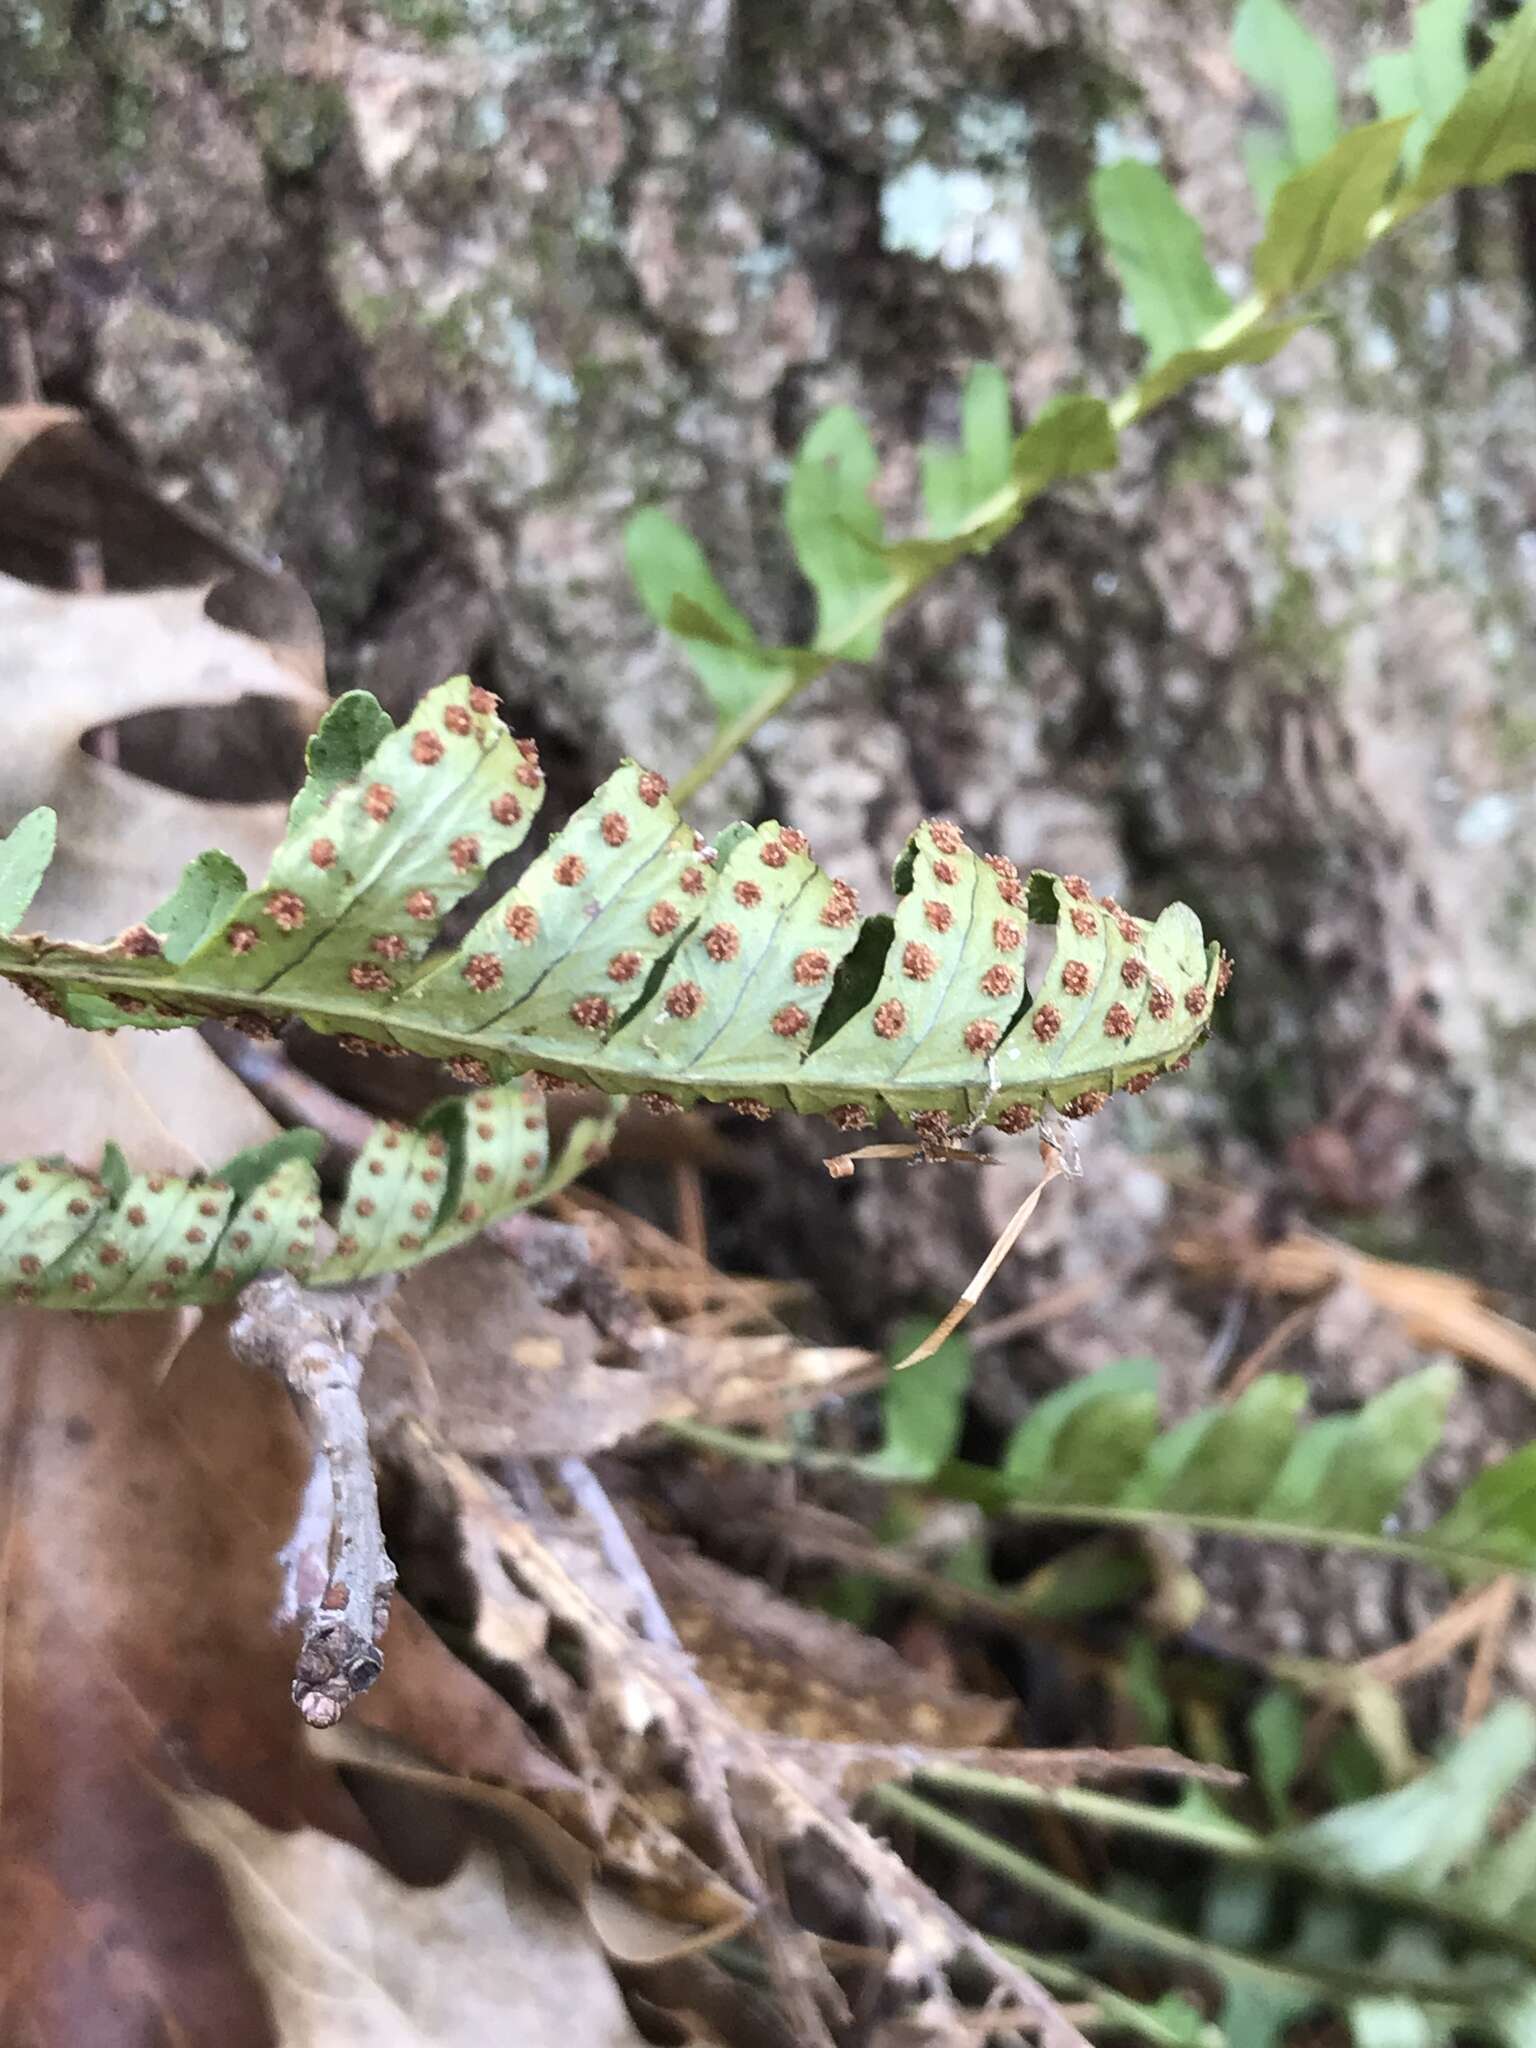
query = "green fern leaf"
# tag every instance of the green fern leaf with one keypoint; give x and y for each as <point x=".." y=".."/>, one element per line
<point x="116" y="1240"/>
<point x="1091" y="1453"/>
<point x="632" y="959"/>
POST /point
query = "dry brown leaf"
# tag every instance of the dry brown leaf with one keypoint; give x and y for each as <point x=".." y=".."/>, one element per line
<point x="349" y="1957"/>
<point x="638" y="1709"/>
<point x="474" y="1352"/>
<point x="222" y="631"/>
<point x="1440" y="1311"/>
<point x="786" y="1670"/>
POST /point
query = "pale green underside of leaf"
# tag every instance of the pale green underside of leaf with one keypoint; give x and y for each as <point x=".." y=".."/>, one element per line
<point x="631" y="960"/>
<point x="116" y="1240"/>
<point x="1159" y="254"/>
<point x="1287" y="63"/>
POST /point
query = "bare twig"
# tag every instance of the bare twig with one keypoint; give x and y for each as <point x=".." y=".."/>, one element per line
<point x="619" y="1553"/>
<point x="315" y="1343"/>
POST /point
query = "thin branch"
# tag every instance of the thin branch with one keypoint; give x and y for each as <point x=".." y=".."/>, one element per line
<point x="315" y="1343"/>
<point x="619" y="1553"/>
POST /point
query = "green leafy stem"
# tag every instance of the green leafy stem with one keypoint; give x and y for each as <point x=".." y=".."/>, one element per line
<point x="1093" y="1453"/>
<point x="1330" y="198"/>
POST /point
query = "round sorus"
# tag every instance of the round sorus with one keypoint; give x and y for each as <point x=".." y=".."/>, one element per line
<point x="684" y="999"/>
<point x="285" y="909"/>
<point x="811" y="967"/>
<point x="789" y="1022"/>
<point x="592" y="1013"/>
<point x="1046" y="1022"/>
<point x="1017" y="1118"/>
<point x="890" y="1020"/>
<point x="426" y="749"/>
<point x="722" y="942"/>
<point x="1118" y="1021"/>
<point x="483" y="972"/>
<point x="919" y="962"/>
<point x="624" y="966"/>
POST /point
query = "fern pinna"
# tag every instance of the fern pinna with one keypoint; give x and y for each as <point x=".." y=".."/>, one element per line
<point x="632" y="958"/>
<point x="115" y="1240"/>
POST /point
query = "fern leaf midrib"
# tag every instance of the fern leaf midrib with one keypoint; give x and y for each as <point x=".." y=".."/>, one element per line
<point x="623" y="1068"/>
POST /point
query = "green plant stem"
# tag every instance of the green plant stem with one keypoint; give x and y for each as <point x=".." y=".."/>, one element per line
<point x="1137" y="1930"/>
<point x="988" y="1489"/>
<point x="1009" y="503"/>
<point x="1236" y="1844"/>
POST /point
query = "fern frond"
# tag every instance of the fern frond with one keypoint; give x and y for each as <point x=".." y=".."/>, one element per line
<point x="1093" y="1453"/>
<point x="630" y="957"/>
<point x="117" y="1240"/>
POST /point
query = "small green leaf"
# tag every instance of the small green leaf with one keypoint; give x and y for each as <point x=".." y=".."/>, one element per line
<point x="1370" y="1456"/>
<point x="355" y="727"/>
<point x="208" y="891"/>
<point x="24" y="856"/>
<point x="958" y="482"/>
<point x="837" y="532"/>
<point x="1496" y="1516"/>
<point x="1427" y="80"/>
<point x="1320" y="217"/>
<point x="1490" y="133"/>
<point x="1070" y="437"/>
<point x="1031" y="1454"/>
<point x="1159" y="254"/>
<point x="1423" y="1831"/>
<point x="1236" y="1457"/>
<point x="1277" y="1731"/>
<point x="679" y="590"/>
<point x="923" y="1408"/>
<point x="1286" y="61"/>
